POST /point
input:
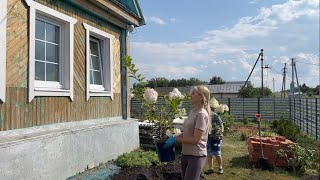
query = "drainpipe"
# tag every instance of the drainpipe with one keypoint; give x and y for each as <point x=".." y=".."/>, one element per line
<point x="123" y="52"/>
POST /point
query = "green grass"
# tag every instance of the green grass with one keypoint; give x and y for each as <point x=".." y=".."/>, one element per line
<point x="236" y="163"/>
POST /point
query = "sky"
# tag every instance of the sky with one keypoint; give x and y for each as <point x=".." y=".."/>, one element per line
<point x="201" y="39"/>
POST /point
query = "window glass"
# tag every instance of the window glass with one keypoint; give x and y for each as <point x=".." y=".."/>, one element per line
<point x="47" y="51"/>
<point x="95" y="62"/>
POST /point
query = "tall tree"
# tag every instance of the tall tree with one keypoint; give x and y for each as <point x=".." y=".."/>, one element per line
<point x="216" y="80"/>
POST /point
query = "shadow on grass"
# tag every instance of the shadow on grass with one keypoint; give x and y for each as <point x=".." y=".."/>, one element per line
<point x="242" y="162"/>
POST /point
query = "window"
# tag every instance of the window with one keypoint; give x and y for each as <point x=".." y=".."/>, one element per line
<point x="99" y="62"/>
<point x="51" y="52"/>
<point x="3" y="44"/>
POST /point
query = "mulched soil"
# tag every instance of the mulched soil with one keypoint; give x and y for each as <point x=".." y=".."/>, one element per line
<point x="166" y="171"/>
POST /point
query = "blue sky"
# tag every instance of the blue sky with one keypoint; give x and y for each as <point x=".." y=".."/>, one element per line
<point x="184" y="39"/>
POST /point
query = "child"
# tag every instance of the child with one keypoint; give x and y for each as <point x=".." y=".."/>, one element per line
<point x="214" y="143"/>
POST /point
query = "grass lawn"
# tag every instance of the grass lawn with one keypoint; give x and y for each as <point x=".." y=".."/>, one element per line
<point x="237" y="166"/>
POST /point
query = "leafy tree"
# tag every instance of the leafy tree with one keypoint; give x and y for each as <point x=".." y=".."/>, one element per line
<point x="304" y="88"/>
<point x="158" y="82"/>
<point x="173" y="83"/>
<point x="252" y="92"/>
<point x="182" y="82"/>
<point x="194" y="82"/>
<point x="216" y="80"/>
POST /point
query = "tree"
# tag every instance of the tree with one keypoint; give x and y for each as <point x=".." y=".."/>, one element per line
<point x="158" y="82"/>
<point x="194" y="82"/>
<point x="216" y="80"/>
<point x="304" y="88"/>
<point x="252" y="92"/>
<point x="182" y="82"/>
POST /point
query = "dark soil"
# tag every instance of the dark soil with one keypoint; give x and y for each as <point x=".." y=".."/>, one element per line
<point x="167" y="171"/>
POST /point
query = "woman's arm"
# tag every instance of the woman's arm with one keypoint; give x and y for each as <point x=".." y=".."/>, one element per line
<point x="197" y="134"/>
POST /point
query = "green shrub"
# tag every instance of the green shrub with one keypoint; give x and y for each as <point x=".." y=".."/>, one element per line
<point x="228" y="121"/>
<point x="137" y="159"/>
<point x="243" y="136"/>
<point x="268" y="133"/>
<point x="288" y="129"/>
<point x="302" y="158"/>
<point x="274" y="124"/>
<point x="245" y="120"/>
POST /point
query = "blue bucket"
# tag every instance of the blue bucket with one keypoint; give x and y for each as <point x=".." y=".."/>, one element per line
<point x="165" y="154"/>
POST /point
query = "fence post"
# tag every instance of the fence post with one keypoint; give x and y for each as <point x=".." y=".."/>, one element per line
<point x="290" y="115"/>
<point x="242" y="108"/>
<point x="317" y="118"/>
<point x="300" y="113"/>
<point x="258" y="105"/>
<point x="229" y="105"/>
<point x="307" y="115"/>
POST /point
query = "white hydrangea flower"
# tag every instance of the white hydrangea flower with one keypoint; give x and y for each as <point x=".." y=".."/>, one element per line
<point x="150" y="95"/>
<point x="214" y="103"/>
<point x="220" y="109"/>
<point x="175" y="94"/>
<point x="225" y="107"/>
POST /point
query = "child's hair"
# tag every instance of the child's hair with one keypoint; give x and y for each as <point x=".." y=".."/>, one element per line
<point x="204" y="91"/>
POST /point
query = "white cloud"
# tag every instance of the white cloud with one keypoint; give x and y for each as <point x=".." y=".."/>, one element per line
<point x="156" y="20"/>
<point x="173" y="20"/>
<point x="170" y="72"/>
<point x="281" y="30"/>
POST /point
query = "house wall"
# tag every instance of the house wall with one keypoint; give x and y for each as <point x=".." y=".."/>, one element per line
<point x="16" y="112"/>
<point x="68" y="148"/>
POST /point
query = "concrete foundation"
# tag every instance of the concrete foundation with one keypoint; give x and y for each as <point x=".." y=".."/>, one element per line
<point x="62" y="150"/>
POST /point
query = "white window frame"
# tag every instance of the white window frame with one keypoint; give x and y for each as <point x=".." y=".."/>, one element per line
<point x="47" y="84"/>
<point x="3" y="49"/>
<point x="94" y="86"/>
<point x="106" y="43"/>
<point x="39" y="10"/>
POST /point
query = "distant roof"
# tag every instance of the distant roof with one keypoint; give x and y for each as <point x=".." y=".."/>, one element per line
<point x="238" y="82"/>
<point x="132" y="7"/>
<point x="224" y="88"/>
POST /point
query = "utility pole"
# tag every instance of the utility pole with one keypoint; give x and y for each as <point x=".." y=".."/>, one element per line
<point x="273" y="84"/>
<point x="261" y="73"/>
<point x="292" y="82"/>
<point x="284" y="81"/>
<point x="295" y="69"/>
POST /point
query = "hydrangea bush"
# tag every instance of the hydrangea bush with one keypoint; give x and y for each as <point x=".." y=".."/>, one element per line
<point x="161" y="115"/>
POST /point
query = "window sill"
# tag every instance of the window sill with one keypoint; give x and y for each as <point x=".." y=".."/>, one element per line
<point x="100" y="93"/>
<point x="51" y="92"/>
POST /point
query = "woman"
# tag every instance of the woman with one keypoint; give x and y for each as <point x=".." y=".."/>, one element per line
<point x="195" y="134"/>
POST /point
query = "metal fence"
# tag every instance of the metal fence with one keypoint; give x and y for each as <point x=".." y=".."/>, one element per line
<point x="304" y="112"/>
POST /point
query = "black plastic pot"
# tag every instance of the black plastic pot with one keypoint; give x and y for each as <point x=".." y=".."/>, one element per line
<point x="165" y="154"/>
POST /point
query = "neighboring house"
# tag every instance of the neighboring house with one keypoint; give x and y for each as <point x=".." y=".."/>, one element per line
<point x="63" y="85"/>
<point x="227" y="90"/>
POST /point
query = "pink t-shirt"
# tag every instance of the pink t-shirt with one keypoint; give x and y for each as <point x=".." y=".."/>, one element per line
<point x="196" y="120"/>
